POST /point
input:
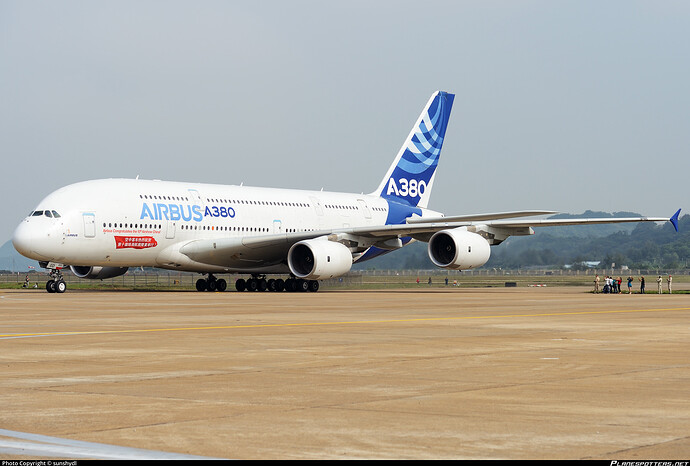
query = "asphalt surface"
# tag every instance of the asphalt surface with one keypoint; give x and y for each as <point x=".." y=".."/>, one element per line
<point x="515" y="373"/>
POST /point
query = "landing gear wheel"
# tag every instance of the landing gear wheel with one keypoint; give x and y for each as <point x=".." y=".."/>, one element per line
<point x="290" y="285"/>
<point x="240" y="284"/>
<point x="50" y="286"/>
<point x="252" y="284"/>
<point x="302" y="285"/>
<point x="211" y="285"/>
<point x="221" y="285"/>
<point x="60" y="286"/>
<point x="280" y="284"/>
<point x="271" y="284"/>
<point x="201" y="285"/>
<point x="313" y="286"/>
<point x="262" y="285"/>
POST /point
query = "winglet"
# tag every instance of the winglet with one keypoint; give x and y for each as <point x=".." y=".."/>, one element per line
<point x="674" y="219"/>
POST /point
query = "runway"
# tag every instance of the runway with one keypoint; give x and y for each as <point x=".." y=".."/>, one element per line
<point x="515" y="373"/>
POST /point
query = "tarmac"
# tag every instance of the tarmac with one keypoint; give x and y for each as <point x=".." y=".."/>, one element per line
<point x="495" y="373"/>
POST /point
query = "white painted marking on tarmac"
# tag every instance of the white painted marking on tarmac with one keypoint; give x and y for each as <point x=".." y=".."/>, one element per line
<point x="42" y="445"/>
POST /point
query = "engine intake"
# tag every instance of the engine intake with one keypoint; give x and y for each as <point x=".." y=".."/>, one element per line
<point x="97" y="273"/>
<point x="319" y="258"/>
<point x="458" y="249"/>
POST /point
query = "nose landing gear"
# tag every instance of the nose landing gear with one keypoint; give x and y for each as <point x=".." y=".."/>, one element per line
<point x="56" y="284"/>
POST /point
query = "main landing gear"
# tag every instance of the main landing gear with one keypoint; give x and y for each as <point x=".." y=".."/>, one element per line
<point x="259" y="283"/>
<point x="211" y="284"/>
<point x="56" y="284"/>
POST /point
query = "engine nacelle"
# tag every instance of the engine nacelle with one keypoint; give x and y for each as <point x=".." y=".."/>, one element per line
<point x="319" y="258"/>
<point x="97" y="273"/>
<point x="458" y="249"/>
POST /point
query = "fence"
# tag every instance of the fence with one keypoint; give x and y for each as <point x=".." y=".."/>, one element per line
<point x="186" y="280"/>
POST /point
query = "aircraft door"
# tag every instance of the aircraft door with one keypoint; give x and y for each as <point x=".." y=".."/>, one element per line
<point x="277" y="227"/>
<point x="170" y="232"/>
<point x="195" y="197"/>
<point x="317" y="205"/>
<point x="89" y="224"/>
<point x="365" y="208"/>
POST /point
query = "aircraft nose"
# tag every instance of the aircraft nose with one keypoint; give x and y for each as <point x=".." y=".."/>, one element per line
<point x="26" y="240"/>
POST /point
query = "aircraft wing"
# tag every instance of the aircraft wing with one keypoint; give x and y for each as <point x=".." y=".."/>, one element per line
<point x="425" y="225"/>
<point x="272" y="249"/>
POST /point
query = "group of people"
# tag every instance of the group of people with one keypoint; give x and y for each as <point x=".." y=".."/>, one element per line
<point x="613" y="285"/>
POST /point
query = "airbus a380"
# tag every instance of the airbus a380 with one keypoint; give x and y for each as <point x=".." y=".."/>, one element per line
<point x="100" y="228"/>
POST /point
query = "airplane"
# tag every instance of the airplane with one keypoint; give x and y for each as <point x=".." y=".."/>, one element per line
<point x="100" y="228"/>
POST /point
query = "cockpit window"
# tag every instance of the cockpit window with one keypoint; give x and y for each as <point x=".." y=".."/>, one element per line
<point x="47" y="213"/>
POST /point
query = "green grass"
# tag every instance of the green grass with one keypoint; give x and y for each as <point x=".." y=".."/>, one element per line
<point x="152" y="282"/>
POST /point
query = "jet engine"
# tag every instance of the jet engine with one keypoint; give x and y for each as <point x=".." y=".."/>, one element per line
<point x="319" y="258"/>
<point x="97" y="273"/>
<point x="458" y="249"/>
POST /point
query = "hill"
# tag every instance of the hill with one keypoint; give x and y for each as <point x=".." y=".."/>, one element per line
<point x="12" y="261"/>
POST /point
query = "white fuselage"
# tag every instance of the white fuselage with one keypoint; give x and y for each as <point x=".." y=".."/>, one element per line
<point x="130" y="223"/>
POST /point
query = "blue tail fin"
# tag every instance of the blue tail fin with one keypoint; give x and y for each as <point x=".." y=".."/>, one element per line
<point x="411" y="176"/>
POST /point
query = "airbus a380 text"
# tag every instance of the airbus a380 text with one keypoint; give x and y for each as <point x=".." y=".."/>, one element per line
<point x="101" y="228"/>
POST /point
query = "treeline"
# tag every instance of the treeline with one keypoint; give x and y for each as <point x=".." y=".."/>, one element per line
<point x="642" y="245"/>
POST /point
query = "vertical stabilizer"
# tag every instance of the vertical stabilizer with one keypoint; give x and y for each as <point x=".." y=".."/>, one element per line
<point x="411" y="176"/>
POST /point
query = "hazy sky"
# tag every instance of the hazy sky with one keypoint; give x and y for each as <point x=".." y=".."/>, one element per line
<point x="561" y="105"/>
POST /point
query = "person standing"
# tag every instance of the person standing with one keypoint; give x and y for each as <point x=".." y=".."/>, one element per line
<point x="641" y="285"/>
<point x="596" y="283"/>
<point x="618" y="284"/>
<point x="669" y="280"/>
<point x="630" y="280"/>
<point x="658" y="284"/>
